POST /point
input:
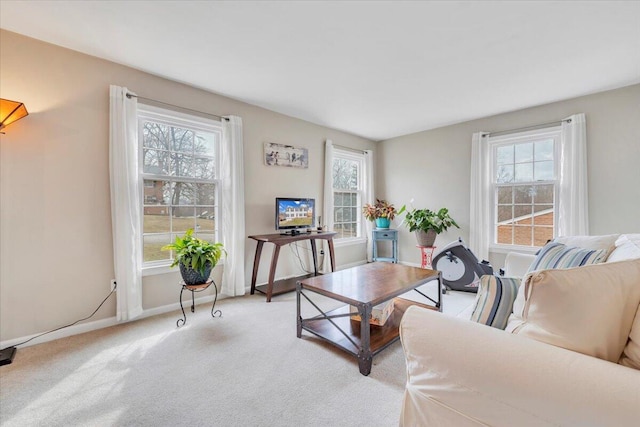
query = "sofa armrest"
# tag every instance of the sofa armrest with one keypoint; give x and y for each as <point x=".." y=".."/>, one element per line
<point x="517" y="264"/>
<point x="464" y="373"/>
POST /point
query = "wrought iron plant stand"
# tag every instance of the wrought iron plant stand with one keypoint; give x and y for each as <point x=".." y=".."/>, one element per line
<point x="198" y="288"/>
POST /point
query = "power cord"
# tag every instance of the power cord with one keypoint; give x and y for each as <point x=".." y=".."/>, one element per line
<point x="62" y="327"/>
<point x="296" y="253"/>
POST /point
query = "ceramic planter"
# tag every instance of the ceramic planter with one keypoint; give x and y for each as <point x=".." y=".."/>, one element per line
<point x="193" y="277"/>
<point x="426" y="238"/>
<point x="383" y="222"/>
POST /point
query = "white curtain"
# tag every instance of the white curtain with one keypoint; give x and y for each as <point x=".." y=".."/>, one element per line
<point x="369" y="197"/>
<point x="125" y="203"/>
<point x="232" y="206"/>
<point x="573" y="204"/>
<point x="327" y="205"/>
<point x="479" y="224"/>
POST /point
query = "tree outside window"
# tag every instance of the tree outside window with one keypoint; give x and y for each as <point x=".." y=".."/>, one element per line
<point x="347" y="194"/>
<point x="179" y="175"/>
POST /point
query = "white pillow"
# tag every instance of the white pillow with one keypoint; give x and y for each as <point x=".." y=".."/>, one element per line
<point x="606" y="241"/>
<point x="586" y="309"/>
<point x="627" y="247"/>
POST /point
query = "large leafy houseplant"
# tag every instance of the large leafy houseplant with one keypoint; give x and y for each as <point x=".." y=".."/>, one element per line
<point x="428" y="224"/>
<point x="196" y="257"/>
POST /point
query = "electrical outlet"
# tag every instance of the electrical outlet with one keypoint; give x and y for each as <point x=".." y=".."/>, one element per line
<point x="113" y="285"/>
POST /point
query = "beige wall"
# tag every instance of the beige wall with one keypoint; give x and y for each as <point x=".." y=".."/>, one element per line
<point x="433" y="167"/>
<point x="55" y="226"/>
<point x="55" y="251"/>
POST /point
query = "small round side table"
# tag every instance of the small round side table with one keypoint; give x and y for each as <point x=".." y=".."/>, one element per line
<point x="197" y="288"/>
<point x="427" y="255"/>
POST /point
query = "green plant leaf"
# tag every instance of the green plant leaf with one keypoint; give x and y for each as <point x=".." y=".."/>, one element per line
<point x="426" y="219"/>
<point x="195" y="252"/>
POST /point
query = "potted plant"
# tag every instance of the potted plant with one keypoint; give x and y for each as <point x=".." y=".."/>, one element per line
<point x="382" y="212"/>
<point x="196" y="257"/>
<point x="428" y="224"/>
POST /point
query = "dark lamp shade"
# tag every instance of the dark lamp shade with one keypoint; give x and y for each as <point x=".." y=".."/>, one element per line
<point x="10" y="111"/>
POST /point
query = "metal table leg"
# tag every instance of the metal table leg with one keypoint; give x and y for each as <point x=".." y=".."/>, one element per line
<point x="365" y="357"/>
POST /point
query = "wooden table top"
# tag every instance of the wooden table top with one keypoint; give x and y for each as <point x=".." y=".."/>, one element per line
<point x="373" y="283"/>
<point x="278" y="238"/>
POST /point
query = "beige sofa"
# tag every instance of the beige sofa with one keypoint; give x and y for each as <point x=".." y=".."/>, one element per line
<point x="462" y="373"/>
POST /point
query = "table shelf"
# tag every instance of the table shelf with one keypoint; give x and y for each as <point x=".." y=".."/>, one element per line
<point x="381" y="336"/>
<point x="283" y="286"/>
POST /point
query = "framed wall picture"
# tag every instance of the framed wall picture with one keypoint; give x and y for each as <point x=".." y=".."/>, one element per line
<point x="285" y="155"/>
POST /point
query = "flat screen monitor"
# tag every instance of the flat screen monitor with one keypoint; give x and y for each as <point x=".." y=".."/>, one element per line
<point x="295" y="213"/>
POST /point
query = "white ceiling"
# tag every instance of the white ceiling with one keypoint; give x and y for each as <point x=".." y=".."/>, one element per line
<point x="375" y="69"/>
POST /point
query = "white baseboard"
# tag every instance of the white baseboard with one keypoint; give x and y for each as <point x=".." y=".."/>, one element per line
<point x="410" y="264"/>
<point x="111" y="321"/>
<point x="353" y="264"/>
<point x="80" y="328"/>
<point x="320" y="270"/>
<point x="345" y="266"/>
<point x="102" y="323"/>
<point x="176" y="306"/>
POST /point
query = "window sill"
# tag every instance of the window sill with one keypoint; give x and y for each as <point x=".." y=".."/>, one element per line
<point x="158" y="269"/>
<point x="505" y="249"/>
<point x="337" y="243"/>
<point x="155" y="270"/>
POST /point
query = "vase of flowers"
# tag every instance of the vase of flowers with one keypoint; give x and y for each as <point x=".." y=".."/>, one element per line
<point x="382" y="212"/>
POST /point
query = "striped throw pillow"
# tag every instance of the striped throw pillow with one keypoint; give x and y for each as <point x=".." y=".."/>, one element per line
<point x="556" y="255"/>
<point x="494" y="302"/>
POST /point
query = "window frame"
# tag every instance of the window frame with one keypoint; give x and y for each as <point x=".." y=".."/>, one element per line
<point x="360" y="158"/>
<point x="186" y="121"/>
<point x="554" y="133"/>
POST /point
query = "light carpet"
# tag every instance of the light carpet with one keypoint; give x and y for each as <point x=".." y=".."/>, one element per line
<point x="246" y="368"/>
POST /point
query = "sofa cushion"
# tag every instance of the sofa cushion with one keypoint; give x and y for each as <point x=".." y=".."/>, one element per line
<point x="627" y="247"/>
<point x="631" y="354"/>
<point x="495" y="300"/>
<point x="558" y="255"/>
<point x="517" y="264"/>
<point x="605" y="241"/>
<point x="586" y="309"/>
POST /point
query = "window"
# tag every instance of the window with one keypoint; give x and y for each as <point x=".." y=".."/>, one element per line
<point x="524" y="188"/>
<point x="348" y="183"/>
<point x="179" y="157"/>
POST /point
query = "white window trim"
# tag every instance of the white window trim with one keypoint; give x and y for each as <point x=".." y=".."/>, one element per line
<point x="176" y="118"/>
<point x="349" y="241"/>
<point x="361" y="159"/>
<point x="505" y="249"/>
<point x="514" y="138"/>
<point x="572" y="204"/>
<point x="154" y="270"/>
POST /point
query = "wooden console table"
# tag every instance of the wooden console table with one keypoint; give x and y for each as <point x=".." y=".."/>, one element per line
<point x="287" y="285"/>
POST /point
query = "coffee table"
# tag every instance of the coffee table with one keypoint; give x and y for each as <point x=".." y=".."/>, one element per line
<point x="363" y="287"/>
